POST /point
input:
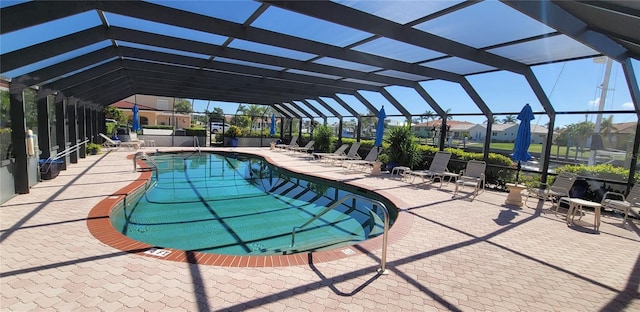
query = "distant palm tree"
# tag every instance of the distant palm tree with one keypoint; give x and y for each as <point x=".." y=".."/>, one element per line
<point x="253" y="111"/>
<point x="607" y="128"/>
<point x="509" y="119"/>
<point x="428" y="115"/>
<point x="494" y="120"/>
<point x="447" y="113"/>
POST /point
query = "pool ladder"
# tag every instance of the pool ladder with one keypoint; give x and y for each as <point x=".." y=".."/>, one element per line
<point x="385" y="211"/>
<point x="143" y="155"/>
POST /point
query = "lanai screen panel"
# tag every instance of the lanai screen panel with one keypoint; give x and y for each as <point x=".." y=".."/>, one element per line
<point x="508" y="96"/>
<point x="347" y="64"/>
<point x="401" y="12"/>
<point x="48" y="31"/>
<point x="354" y="103"/>
<point x="336" y="106"/>
<point x="485" y="24"/>
<point x="450" y="96"/>
<point x="410" y="99"/>
<point x="54" y="60"/>
<point x="302" y="26"/>
<point x="162" y="29"/>
<point x="237" y="11"/>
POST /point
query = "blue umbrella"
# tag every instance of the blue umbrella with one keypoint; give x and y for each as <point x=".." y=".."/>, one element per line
<point x="136" y="118"/>
<point x="272" y="130"/>
<point x="523" y="138"/>
<point x="380" y="127"/>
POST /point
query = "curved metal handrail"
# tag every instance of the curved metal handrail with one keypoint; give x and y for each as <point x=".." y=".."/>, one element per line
<point x="144" y="156"/>
<point x="383" y="261"/>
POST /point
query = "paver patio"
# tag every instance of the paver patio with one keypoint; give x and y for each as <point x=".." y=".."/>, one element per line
<point x="452" y="254"/>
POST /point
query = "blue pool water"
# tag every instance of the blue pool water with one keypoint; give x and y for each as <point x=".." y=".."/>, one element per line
<point x="240" y="205"/>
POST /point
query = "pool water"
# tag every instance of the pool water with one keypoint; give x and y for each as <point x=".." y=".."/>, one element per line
<point x="240" y="205"/>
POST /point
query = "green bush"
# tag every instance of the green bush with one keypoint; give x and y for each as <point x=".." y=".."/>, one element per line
<point x="195" y="131"/>
<point x="234" y="132"/>
<point x="600" y="171"/>
<point x="322" y="136"/>
<point x="402" y="148"/>
<point x="157" y="127"/>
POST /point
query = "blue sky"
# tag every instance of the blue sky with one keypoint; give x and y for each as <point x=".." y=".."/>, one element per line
<point x="571" y="86"/>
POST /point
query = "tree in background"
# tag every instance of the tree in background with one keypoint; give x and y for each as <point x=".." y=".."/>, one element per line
<point x="509" y="119"/>
<point x="111" y="112"/>
<point x="607" y="128"/>
<point x="217" y="114"/>
<point x="182" y="106"/>
<point x="252" y="111"/>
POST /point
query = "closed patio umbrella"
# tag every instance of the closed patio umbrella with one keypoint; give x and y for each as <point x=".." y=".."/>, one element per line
<point x="136" y="118"/>
<point x="523" y="138"/>
<point x="272" y="130"/>
<point x="380" y="127"/>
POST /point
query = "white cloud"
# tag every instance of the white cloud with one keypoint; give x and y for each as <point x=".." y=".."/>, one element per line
<point x="628" y="105"/>
<point x="594" y="103"/>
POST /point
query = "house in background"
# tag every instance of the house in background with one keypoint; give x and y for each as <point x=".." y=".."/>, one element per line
<point x="153" y="110"/>
<point x="476" y="132"/>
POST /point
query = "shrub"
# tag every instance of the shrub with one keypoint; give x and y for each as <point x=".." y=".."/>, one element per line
<point x="234" y="132"/>
<point x="93" y="148"/>
<point x="323" y="136"/>
<point x="195" y="131"/>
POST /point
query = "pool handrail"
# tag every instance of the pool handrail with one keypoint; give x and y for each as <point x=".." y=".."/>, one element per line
<point x="144" y="155"/>
<point x="385" y="211"/>
<point x="196" y="143"/>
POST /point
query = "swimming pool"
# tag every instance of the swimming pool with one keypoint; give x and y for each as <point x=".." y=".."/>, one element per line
<point x="236" y="204"/>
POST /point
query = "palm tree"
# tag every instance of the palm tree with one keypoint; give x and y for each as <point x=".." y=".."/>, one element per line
<point x="428" y="115"/>
<point x="494" y="120"/>
<point x="607" y="128"/>
<point x="447" y="113"/>
<point x="253" y="111"/>
<point x="509" y="119"/>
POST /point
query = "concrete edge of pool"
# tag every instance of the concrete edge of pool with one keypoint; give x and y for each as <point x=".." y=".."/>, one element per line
<point x="100" y="227"/>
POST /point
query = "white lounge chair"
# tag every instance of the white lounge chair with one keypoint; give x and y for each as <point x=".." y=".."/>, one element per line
<point x="558" y="189"/>
<point x="352" y="154"/>
<point x="371" y="158"/>
<point x="306" y="148"/>
<point x="339" y="152"/>
<point x="437" y="169"/>
<point x="292" y="143"/>
<point x="620" y="203"/>
<point x="473" y="175"/>
<point x="109" y="143"/>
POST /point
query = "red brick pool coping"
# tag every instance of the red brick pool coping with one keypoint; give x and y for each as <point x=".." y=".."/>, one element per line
<point x="101" y="228"/>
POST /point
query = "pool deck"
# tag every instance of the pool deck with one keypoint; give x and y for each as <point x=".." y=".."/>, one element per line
<point x="446" y="254"/>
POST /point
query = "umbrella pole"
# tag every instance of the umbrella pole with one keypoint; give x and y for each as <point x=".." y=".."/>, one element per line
<point x="518" y="173"/>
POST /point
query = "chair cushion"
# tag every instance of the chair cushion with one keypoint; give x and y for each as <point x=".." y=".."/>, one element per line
<point x="616" y="203"/>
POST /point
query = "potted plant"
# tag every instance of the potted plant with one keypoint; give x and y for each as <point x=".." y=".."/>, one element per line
<point x="93" y="148"/>
<point x="233" y="133"/>
<point x="402" y="151"/>
<point x="384" y="159"/>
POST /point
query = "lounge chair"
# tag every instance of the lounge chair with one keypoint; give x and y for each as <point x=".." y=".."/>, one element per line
<point x="352" y="154"/>
<point x="109" y="143"/>
<point x="558" y="189"/>
<point x="619" y="203"/>
<point x="339" y="152"/>
<point x="369" y="160"/>
<point x="306" y="148"/>
<point x="292" y="143"/>
<point x="437" y="169"/>
<point x="473" y="175"/>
